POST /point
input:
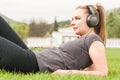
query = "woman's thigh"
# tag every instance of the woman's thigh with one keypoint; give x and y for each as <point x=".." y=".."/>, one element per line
<point x="13" y="57"/>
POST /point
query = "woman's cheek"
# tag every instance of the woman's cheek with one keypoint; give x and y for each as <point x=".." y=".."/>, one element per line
<point x="77" y="31"/>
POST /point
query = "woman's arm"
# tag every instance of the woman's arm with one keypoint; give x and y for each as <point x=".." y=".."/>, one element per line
<point x="98" y="56"/>
<point x="82" y="72"/>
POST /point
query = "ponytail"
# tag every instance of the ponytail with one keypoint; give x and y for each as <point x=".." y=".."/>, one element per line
<point x="101" y="30"/>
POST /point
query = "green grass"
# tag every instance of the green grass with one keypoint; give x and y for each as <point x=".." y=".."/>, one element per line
<point x="113" y="58"/>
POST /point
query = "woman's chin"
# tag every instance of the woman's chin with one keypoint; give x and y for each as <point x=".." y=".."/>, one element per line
<point x="76" y="33"/>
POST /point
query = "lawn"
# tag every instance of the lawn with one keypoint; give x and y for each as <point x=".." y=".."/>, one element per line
<point x="113" y="57"/>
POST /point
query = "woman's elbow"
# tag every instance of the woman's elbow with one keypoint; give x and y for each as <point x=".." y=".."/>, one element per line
<point x="104" y="73"/>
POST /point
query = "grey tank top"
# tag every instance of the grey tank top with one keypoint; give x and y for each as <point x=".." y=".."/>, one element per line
<point x="70" y="55"/>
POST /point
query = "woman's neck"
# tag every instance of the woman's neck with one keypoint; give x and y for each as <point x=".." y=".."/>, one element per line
<point x="90" y="31"/>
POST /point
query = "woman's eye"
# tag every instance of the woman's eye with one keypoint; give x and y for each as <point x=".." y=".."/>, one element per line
<point x="77" y="18"/>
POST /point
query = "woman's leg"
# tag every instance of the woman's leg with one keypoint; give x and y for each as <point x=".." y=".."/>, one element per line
<point x="7" y="32"/>
<point x="15" y="58"/>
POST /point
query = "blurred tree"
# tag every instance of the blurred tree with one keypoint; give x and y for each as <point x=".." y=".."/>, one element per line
<point x="64" y="24"/>
<point x="21" y="29"/>
<point x="117" y="11"/>
<point x="38" y="29"/>
<point x="113" y="24"/>
<point x="55" y="25"/>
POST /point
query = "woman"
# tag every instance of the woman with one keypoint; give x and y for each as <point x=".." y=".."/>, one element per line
<point x="85" y="55"/>
<point x="88" y="22"/>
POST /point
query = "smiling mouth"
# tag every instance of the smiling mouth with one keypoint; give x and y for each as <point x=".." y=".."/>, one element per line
<point x="74" y="28"/>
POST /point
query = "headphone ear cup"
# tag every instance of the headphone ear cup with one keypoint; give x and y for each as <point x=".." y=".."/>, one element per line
<point x="92" y="21"/>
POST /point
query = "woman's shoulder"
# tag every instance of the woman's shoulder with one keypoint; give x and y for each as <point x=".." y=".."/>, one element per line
<point x="89" y="39"/>
<point x="91" y="36"/>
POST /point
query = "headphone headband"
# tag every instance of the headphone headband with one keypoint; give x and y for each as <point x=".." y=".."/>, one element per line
<point x="91" y="9"/>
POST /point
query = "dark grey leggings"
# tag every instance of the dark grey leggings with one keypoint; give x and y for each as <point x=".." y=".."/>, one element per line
<point x="14" y="54"/>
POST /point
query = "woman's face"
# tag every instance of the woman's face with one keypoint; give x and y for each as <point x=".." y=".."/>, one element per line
<point x="78" y="22"/>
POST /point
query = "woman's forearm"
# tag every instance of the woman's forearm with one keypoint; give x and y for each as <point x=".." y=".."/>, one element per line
<point x="71" y="72"/>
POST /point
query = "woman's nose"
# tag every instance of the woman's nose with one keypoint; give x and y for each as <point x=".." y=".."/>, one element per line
<point x="72" y="23"/>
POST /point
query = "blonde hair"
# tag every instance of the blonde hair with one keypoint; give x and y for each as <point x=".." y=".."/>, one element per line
<point x="100" y="29"/>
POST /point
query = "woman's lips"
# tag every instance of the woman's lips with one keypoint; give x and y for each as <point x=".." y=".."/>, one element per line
<point x="74" y="28"/>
